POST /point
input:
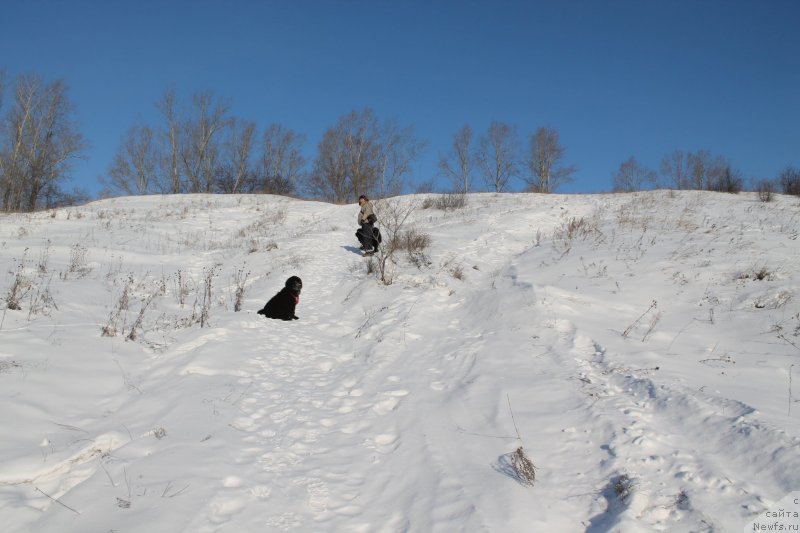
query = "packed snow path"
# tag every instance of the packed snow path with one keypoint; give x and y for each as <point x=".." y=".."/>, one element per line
<point x="614" y="338"/>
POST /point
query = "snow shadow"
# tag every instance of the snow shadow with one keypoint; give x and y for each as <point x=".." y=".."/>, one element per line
<point x="616" y="493"/>
<point x="353" y="249"/>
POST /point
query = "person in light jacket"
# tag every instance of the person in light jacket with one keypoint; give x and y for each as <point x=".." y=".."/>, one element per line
<point x="366" y="221"/>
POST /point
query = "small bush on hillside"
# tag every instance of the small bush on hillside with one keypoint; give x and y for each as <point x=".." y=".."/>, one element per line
<point x="42" y="301"/>
<point x="183" y="286"/>
<point x="728" y="180"/>
<point x="116" y="320"/>
<point x="446" y="202"/>
<point x="790" y="181"/>
<point x="415" y="244"/>
<point x="623" y="487"/>
<point x="523" y="467"/>
<point x="570" y="230"/>
<point x="77" y="261"/>
<point x="137" y="324"/>
<point x="393" y="217"/>
<point x="757" y="274"/>
<point x="372" y="265"/>
<point x="411" y="240"/>
<point x="44" y="258"/>
<point x="204" y="297"/>
<point x="240" y="282"/>
<point x="766" y="189"/>
<point x="19" y="288"/>
<point x="455" y="269"/>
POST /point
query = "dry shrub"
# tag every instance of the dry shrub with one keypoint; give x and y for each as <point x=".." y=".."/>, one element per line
<point x="574" y="228"/>
<point x="570" y="230"/>
<point x="415" y="244"/>
<point x="446" y="202"/>
<point x="265" y="225"/>
<point x="623" y="487"/>
<point x="19" y="287"/>
<point x="523" y="467"/>
<point x="766" y="190"/>
<point x="77" y="261"/>
<point x="372" y="265"/>
<point x="42" y="300"/>
<point x="137" y="324"/>
<point x="757" y="274"/>
<point x="183" y="286"/>
<point x="44" y="258"/>
<point x="205" y="295"/>
<point x="393" y="217"/>
<point x="115" y="317"/>
<point x="240" y="281"/>
<point x="412" y="240"/>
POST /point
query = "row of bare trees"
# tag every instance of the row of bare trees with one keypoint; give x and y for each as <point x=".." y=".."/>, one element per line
<point x="496" y="157"/>
<point x="700" y="170"/>
<point x="39" y="141"/>
<point x="200" y="147"/>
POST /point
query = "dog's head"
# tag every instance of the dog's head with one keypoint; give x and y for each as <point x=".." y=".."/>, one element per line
<point x="295" y="285"/>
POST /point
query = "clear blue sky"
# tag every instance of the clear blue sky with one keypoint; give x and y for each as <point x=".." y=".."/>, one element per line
<point x="616" y="78"/>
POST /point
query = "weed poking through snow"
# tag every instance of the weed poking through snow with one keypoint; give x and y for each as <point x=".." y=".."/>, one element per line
<point x="523" y="467"/>
<point x="623" y="487"/>
<point x="240" y="281"/>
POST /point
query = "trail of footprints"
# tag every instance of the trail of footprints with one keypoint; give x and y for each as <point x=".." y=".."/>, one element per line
<point x="308" y="434"/>
<point x="654" y="443"/>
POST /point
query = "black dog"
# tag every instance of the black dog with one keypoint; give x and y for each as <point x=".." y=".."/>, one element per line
<point x="282" y="305"/>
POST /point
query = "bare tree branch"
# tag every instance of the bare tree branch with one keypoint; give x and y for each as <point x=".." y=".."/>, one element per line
<point x="544" y="162"/>
<point x="457" y="164"/>
<point x="497" y="155"/>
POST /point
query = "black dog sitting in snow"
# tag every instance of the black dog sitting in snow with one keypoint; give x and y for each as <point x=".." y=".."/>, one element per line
<point x="282" y="305"/>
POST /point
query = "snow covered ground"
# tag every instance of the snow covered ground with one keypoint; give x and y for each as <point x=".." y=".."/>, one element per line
<point x="640" y="348"/>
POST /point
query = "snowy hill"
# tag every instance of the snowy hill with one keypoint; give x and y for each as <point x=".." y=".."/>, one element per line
<point x="639" y="348"/>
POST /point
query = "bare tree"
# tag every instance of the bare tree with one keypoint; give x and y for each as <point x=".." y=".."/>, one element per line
<point x="235" y="169"/>
<point x="497" y="155"/>
<point x="675" y="170"/>
<point x="2" y="135"/>
<point x="704" y="168"/>
<point x="544" y="162"/>
<point x="135" y="166"/>
<point x="329" y="178"/>
<point x="632" y="176"/>
<point x="201" y="147"/>
<point x="12" y="178"/>
<point x="400" y="148"/>
<point x="456" y="165"/>
<point x="790" y="181"/>
<point x="699" y="164"/>
<point x="282" y="161"/>
<point x="349" y="158"/>
<point x="171" y="160"/>
<point x="40" y="143"/>
<point x="725" y="178"/>
<point x="363" y="155"/>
